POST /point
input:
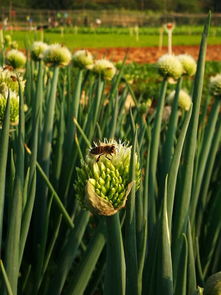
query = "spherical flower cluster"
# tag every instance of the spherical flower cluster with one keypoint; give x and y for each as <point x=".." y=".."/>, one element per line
<point x="188" y="63"/>
<point x="215" y="85"/>
<point x="170" y="66"/>
<point x="37" y="50"/>
<point x="16" y="59"/>
<point x="57" y="55"/>
<point x="14" y="108"/>
<point x="213" y="285"/>
<point x="103" y="183"/>
<point x="83" y="59"/>
<point x="105" y="68"/>
<point x="184" y="99"/>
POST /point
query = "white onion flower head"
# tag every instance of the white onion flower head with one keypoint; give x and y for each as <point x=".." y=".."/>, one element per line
<point x="184" y="100"/>
<point x="215" y="85"/>
<point x="37" y="50"/>
<point x="189" y="64"/>
<point x="57" y="55"/>
<point x="103" y="182"/>
<point x="83" y="59"/>
<point x="170" y="66"/>
<point x="16" y="59"/>
<point x="105" y="68"/>
<point x="14" y="108"/>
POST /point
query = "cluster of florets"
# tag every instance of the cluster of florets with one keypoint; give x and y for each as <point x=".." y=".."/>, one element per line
<point x="9" y="87"/>
<point x="171" y="66"/>
<point x="57" y="55"/>
<point x="16" y="59"/>
<point x="215" y="85"/>
<point x="103" y="182"/>
<point x="184" y="99"/>
<point x="37" y="50"/>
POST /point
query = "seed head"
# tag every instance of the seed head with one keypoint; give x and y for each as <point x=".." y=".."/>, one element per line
<point x="103" y="183"/>
<point x="83" y="59"/>
<point x="184" y="99"/>
<point x="215" y="85"/>
<point x="37" y="50"/>
<point x="170" y="66"/>
<point x="14" y="108"/>
<point x="188" y="63"/>
<point x="8" y="40"/>
<point x="16" y="59"/>
<point x="213" y="285"/>
<point x="57" y="55"/>
<point x="105" y="68"/>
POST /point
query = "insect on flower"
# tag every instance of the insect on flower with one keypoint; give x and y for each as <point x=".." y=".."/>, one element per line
<point x="101" y="150"/>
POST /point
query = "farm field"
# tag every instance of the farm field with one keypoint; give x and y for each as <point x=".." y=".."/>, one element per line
<point x="110" y="167"/>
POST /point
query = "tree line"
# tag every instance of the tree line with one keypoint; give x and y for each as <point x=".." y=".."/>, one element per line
<point x="154" y="5"/>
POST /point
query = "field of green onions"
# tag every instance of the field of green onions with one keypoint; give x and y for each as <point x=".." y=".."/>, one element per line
<point x="105" y="189"/>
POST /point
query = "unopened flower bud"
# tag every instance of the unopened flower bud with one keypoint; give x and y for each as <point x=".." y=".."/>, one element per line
<point x="57" y="55"/>
<point x="16" y="59"/>
<point x="105" y="68"/>
<point x="170" y="66"/>
<point x="103" y="183"/>
<point x="83" y="59"/>
<point x="184" y="99"/>
<point x="188" y="63"/>
<point x="215" y="85"/>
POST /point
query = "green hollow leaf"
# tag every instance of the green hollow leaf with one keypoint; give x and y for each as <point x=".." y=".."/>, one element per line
<point x="4" y="139"/>
<point x="6" y="280"/>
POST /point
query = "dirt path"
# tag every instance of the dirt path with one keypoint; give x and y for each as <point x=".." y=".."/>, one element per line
<point x="151" y="54"/>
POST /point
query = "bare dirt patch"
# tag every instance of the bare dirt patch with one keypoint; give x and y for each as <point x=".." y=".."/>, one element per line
<point x="151" y="54"/>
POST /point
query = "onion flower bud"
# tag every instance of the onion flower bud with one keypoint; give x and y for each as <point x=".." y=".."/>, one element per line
<point x="184" y="99"/>
<point x="57" y="55"/>
<point x="170" y="66"/>
<point x="105" y="68"/>
<point x="16" y="59"/>
<point x="188" y="63"/>
<point x="14" y="108"/>
<point x="103" y="182"/>
<point x="37" y="50"/>
<point x="83" y="59"/>
<point x="215" y="85"/>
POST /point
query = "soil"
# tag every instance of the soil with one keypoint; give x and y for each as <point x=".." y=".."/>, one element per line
<point x="151" y="54"/>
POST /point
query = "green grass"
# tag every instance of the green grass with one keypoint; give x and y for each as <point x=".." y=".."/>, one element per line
<point x="103" y="40"/>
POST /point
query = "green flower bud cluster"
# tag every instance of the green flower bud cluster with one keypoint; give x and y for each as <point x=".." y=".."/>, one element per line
<point x="215" y="85"/>
<point x="16" y="59"/>
<point x="9" y="86"/>
<point x="37" y="50"/>
<point x="7" y="40"/>
<point x="103" y="182"/>
<point x="9" y="81"/>
<point x="213" y="285"/>
<point x="83" y="59"/>
<point x="14" y="108"/>
<point x="57" y="55"/>
<point x="184" y="99"/>
<point x="104" y="68"/>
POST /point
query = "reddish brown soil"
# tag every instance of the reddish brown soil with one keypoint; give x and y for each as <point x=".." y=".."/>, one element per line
<point x="151" y="54"/>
